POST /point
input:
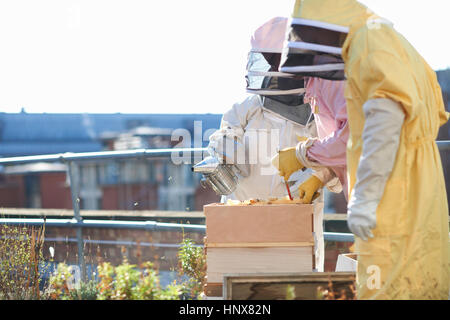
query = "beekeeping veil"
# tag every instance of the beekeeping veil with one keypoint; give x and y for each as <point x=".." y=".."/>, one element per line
<point x="282" y="93"/>
<point x="314" y="45"/>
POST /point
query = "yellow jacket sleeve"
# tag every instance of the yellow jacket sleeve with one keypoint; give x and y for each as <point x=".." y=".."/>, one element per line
<point x="384" y="76"/>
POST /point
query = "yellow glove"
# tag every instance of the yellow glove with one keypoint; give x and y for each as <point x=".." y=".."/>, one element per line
<point x="307" y="190"/>
<point x="287" y="163"/>
<point x="301" y="138"/>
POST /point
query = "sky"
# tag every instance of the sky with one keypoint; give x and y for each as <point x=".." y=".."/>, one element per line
<point x="141" y="56"/>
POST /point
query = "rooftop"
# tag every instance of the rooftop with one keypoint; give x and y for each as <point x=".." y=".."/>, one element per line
<point x="46" y="133"/>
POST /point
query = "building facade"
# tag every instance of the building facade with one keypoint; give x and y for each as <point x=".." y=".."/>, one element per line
<point x="132" y="184"/>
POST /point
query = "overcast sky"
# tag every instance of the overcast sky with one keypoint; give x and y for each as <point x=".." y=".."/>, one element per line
<point x="143" y="56"/>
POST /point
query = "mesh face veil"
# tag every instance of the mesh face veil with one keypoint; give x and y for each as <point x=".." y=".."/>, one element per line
<point x="314" y="49"/>
<point x="264" y="58"/>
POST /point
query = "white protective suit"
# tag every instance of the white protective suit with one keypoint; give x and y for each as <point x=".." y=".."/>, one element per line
<point x="251" y="119"/>
<point x="270" y="119"/>
<point x="263" y="181"/>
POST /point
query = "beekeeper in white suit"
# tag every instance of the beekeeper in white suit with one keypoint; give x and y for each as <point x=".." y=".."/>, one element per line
<point x="270" y="119"/>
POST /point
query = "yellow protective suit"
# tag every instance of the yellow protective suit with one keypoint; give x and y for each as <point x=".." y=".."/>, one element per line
<point x="408" y="258"/>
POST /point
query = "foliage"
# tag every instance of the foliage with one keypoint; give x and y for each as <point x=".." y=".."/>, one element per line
<point x="21" y="255"/>
<point x="331" y="293"/>
<point x="20" y="259"/>
<point x="86" y="291"/>
<point x="59" y="283"/>
<point x="192" y="263"/>
<point x="105" y="286"/>
<point x="62" y="286"/>
<point x="124" y="282"/>
<point x="290" y="292"/>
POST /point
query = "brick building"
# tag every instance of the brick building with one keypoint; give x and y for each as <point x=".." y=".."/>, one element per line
<point x="135" y="184"/>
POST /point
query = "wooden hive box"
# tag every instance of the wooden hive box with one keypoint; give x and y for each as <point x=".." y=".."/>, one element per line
<point x="262" y="238"/>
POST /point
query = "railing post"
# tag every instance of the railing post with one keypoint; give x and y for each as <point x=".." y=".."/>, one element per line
<point x="74" y="177"/>
<point x="443" y="145"/>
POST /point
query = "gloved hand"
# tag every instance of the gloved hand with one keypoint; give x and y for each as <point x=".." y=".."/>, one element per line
<point x="361" y="224"/>
<point x="226" y="146"/>
<point x="308" y="189"/>
<point x="361" y="214"/>
<point x="286" y="162"/>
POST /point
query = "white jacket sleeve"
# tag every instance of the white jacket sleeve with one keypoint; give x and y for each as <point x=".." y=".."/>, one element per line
<point x="238" y="116"/>
<point x="228" y="143"/>
<point x="381" y="135"/>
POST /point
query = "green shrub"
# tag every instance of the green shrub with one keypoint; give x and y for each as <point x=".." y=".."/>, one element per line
<point x="87" y="291"/>
<point x="20" y="259"/>
<point x="124" y="282"/>
<point x="59" y="283"/>
<point x="192" y="263"/>
<point x="62" y="286"/>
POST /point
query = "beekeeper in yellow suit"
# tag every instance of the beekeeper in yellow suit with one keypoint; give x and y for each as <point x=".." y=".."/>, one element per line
<point x="398" y="207"/>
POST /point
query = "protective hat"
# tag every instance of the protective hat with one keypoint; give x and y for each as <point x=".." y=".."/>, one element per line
<point x="262" y="76"/>
<point x="314" y="47"/>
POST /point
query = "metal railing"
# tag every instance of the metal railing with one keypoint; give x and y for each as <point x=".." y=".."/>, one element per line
<point x="72" y="160"/>
<point x="70" y="157"/>
<point x="145" y="225"/>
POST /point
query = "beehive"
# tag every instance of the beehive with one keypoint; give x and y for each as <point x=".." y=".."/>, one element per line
<point x="257" y="237"/>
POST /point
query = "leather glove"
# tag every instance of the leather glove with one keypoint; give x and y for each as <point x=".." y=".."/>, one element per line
<point x="308" y="189"/>
<point x="361" y="224"/>
<point x="361" y="216"/>
<point x="286" y="162"/>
